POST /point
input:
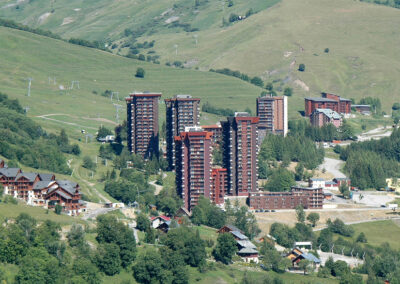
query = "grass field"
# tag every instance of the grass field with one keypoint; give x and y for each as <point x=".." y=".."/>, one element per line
<point x="40" y="214"/>
<point x="379" y="232"/>
<point x="363" y="39"/>
<point x="102" y="19"/>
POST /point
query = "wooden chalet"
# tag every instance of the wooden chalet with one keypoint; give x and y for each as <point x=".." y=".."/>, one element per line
<point x="228" y="229"/>
<point x="296" y="255"/>
<point x="41" y="189"/>
<point x="246" y="249"/>
<point x="68" y="195"/>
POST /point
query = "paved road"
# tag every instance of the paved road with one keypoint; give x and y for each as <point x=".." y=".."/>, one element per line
<point x="376" y="133"/>
<point x="332" y="166"/>
<point x="132" y="225"/>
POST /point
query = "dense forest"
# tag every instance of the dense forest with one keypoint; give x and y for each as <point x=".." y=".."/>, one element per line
<point x="327" y="132"/>
<point x="23" y="141"/>
<point x="294" y="147"/>
<point x="369" y="163"/>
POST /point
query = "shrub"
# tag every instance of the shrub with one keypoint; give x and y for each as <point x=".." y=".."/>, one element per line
<point x="140" y="72"/>
<point x="257" y="81"/>
<point x="58" y="209"/>
<point x="302" y="67"/>
<point x="326" y="50"/>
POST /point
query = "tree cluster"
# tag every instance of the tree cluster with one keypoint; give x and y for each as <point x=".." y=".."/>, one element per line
<point x="117" y="247"/>
<point x="369" y="163"/>
<point x="23" y="140"/>
<point x="296" y="148"/>
<point x="41" y="255"/>
<point x="326" y="133"/>
<point x="226" y="71"/>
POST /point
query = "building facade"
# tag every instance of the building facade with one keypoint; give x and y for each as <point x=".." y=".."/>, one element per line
<point x="240" y="150"/>
<point x="310" y="198"/>
<point x="193" y="149"/>
<point x="142" y="118"/>
<point x="320" y="117"/>
<point x="272" y="112"/>
<point x="42" y="190"/>
<point x="216" y="130"/>
<point x="327" y="101"/>
<point x="181" y="111"/>
<point x="219" y="185"/>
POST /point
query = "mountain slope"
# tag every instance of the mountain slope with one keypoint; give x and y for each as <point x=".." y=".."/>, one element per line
<point x="363" y="39"/>
<point x="104" y="19"/>
<point x="27" y="55"/>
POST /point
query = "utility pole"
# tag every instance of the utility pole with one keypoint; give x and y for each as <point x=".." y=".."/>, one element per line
<point x="74" y="83"/>
<point x="117" y="108"/>
<point x="114" y="93"/>
<point x="176" y="49"/>
<point x="29" y="86"/>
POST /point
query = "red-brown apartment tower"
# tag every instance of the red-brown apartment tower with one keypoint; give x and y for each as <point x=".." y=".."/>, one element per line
<point x="329" y="101"/>
<point x="240" y="150"/>
<point x="193" y="149"/>
<point x="273" y="114"/>
<point x="142" y="116"/>
<point x="219" y="185"/>
<point x="181" y="111"/>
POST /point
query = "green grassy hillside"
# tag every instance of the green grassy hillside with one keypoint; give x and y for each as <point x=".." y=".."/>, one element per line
<point x="102" y="19"/>
<point x="363" y="39"/>
<point x="26" y="55"/>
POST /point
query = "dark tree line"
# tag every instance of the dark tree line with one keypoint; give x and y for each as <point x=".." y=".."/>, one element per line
<point x="325" y="133"/>
<point x="207" y="107"/>
<point x="369" y="163"/>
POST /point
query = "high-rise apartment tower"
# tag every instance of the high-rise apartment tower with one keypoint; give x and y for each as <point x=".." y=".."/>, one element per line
<point x="272" y="112"/>
<point x="181" y="111"/>
<point x="240" y="150"/>
<point x="193" y="165"/>
<point x="142" y="119"/>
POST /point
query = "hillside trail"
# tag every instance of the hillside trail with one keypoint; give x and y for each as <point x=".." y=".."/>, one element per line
<point x="333" y="167"/>
<point x="88" y="183"/>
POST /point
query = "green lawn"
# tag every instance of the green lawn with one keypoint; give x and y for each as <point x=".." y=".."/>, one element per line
<point x="379" y="232"/>
<point x="12" y="211"/>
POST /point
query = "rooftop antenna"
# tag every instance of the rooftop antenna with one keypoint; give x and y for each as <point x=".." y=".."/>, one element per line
<point x="29" y="86"/>
<point x="176" y="49"/>
<point x="117" y="108"/>
<point x="114" y="93"/>
<point x="74" y="83"/>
